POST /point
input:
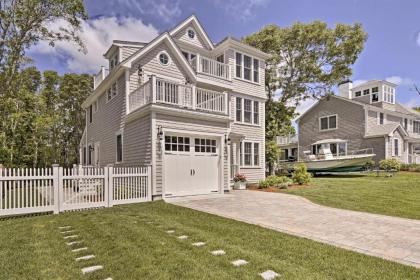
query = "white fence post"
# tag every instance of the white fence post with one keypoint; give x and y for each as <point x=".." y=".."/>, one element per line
<point x="149" y="182"/>
<point x="56" y="184"/>
<point x="110" y="188"/>
<point x="106" y="185"/>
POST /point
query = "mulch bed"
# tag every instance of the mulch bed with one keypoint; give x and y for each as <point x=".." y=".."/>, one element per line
<point x="254" y="187"/>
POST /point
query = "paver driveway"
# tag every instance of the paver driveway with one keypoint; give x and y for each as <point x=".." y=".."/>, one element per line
<point x="391" y="238"/>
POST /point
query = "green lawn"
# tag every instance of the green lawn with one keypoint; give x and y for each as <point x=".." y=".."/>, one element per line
<point x="130" y="248"/>
<point x="397" y="196"/>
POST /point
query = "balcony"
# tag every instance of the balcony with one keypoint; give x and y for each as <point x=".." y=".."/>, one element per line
<point x="159" y="91"/>
<point x="100" y="76"/>
<point x="287" y="140"/>
<point x="211" y="67"/>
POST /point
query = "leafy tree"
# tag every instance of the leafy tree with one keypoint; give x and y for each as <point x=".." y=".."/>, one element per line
<point x="307" y="60"/>
<point x="272" y="154"/>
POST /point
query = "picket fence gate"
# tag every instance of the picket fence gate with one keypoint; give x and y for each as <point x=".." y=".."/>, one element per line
<point x="58" y="189"/>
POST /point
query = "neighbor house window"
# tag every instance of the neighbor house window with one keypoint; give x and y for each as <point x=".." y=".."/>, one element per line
<point x="238" y="65"/>
<point x="238" y="109"/>
<point x="250" y="154"/>
<point x="328" y="122"/>
<point x="358" y="93"/>
<point x="366" y="91"/>
<point x="247" y="110"/>
<point x="119" y="148"/>
<point x="396" y="147"/>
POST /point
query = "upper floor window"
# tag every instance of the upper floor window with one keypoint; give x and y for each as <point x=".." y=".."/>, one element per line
<point x="113" y="62"/>
<point x="328" y="122"/>
<point x="381" y="118"/>
<point x="189" y="56"/>
<point x="375" y="89"/>
<point x="366" y="91"/>
<point x="416" y="126"/>
<point x="358" y="93"/>
<point x="90" y="113"/>
<point x="191" y="33"/>
<point x="247" y="111"/>
<point x="405" y="124"/>
<point x="221" y="58"/>
<point x="396" y="147"/>
<point x="247" y="68"/>
<point x="111" y="92"/>
<point x="375" y="97"/>
<point x="163" y="58"/>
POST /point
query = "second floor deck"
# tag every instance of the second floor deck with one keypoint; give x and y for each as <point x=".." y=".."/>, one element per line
<point x="165" y="92"/>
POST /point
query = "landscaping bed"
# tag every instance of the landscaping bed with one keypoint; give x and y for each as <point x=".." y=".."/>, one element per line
<point x="132" y="242"/>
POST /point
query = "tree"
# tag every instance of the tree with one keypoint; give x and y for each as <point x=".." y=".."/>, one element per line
<point x="24" y="23"/>
<point x="307" y="60"/>
<point x="272" y="154"/>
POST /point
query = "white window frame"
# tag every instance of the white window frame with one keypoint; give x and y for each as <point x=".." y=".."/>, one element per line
<point x="378" y="116"/>
<point x="188" y="36"/>
<point x="328" y="122"/>
<point x="119" y="133"/>
<point x="110" y="94"/>
<point x="397" y="142"/>
<point x="243" y="68"/>
<point x="242" y="121"/>
<point x="242" y="154"/>
<point x="169" y="58"/>
<point x="189" y="54"/>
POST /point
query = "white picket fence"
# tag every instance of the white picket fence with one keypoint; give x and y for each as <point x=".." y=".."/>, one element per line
<point x="58" y="189"/>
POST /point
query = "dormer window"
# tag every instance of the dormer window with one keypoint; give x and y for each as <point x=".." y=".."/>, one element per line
<point x="191" y="33"/>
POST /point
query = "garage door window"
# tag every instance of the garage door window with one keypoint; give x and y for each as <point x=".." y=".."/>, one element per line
<point x="177" y="144"/>
<point x="205" y="145"/>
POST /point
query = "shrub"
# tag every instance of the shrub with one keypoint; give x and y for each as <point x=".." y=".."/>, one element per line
<point x="278" y="181"/>
<point x="239" y="178"/>
<point x="369" y="165"/>
<point x="390" y="164"/>
<point x="300" y="174"/>
<point x="263" y="184"/>
<point x="413" y="167"/>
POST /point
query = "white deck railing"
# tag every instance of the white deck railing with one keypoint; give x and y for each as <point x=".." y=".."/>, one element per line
<point x="286" y="140"/>
<point x="100" y="76"/>
<point x="211" y="67"/>
<point x="180" y="95"/>
<point x="57" y="189"/>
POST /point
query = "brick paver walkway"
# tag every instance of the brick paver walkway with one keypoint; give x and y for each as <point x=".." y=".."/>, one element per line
<point x="387" y="237"/>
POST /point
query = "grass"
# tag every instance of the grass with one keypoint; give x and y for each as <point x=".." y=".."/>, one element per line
<point x="396" y="196"/>
<point x="130" y="248"/>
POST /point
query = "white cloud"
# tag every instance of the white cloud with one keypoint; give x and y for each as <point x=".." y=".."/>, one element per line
<point x="241" y="9"/>
<point x="165" y="10"/>
<point x="97" y="35"/>
<point x="400" y="81"/>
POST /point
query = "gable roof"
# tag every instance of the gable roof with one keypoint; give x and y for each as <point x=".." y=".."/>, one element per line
<point x="229" y="40"/>
<point x="164" y="37"/>
<point x="193" y="20"/>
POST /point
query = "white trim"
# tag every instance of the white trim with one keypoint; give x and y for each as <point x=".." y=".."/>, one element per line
<point x="243" y="68"/>
<point x="169" y="58"/>
<point x="328" y="121"/>
<point x="110" y="89"/>
<point x="188" y="35"/>
<point x="242" y="122"/>
<point x="127" y="91"/>
<point x="378" y="118"/>
<point x="242" y="157"/>
<point x="154" y="155"/>
<point x="394" y="154"/>
<point x="193" y="19"/>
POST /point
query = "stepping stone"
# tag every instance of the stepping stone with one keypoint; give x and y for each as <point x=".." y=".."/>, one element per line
<point x="79" y="249"/>
<point x="199" y="244"/>
<point x="218" y="253"/>
<point x="73" y="243"/>
<point x="70" y="236"/>
<point x="183" y="237"/>
<point x="65" y="227"/>
<point x="170" y="231"/>
<point x="84" y="258"/>
<point x="239" y="262"/>
<point x="108" y="278"/>
<point x="90" y="269"/>
<point x="269" y="275"/>
<point x="68" y="231"/>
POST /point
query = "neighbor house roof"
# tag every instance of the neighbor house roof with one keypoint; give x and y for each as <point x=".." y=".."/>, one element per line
<point x="385" y="130"/>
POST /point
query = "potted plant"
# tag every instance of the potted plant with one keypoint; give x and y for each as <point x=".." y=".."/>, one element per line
<point x="240" y="182"/>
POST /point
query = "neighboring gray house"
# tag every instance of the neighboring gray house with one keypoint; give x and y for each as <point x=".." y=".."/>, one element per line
<point x="361" y="117"/>
<point x="191" y="109"/>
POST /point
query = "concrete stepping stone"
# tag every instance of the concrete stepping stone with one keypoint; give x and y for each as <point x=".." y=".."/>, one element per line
<point x="91" y="269"/>
<point x="218" y="253"/>
<point x="84" y="258"/>
<point x="65" y="227"/>
<point x="68" y="231"/>
<point x="71" y="236"/>
<point x="239" y="262"/>
<point x="269" y="275"/>
<point x="183" y="237"/>
<point x="199" y="244"/>
<point x="73" y="243"/>
<point x="170" y="231"/>
<point x="79" y="249"/>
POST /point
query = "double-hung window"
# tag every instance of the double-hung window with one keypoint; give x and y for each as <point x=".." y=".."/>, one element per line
<point x="328" y="122"/>
<point x="119" y="151"/>
<point x="396" y="147"/>
<point x="111" y="92"/>
<point x="247" y="68"/>
<point x="250" y="154"/>
<point x="381" y="118"/>
<point x="247" y="111"/>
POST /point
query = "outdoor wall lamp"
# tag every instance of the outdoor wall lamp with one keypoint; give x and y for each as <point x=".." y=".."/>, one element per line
<point x="140" y="71"/>
<point x="227" y="140"/>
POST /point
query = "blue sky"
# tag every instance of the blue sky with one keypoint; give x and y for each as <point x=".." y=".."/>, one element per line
<point x="392" y="51"/>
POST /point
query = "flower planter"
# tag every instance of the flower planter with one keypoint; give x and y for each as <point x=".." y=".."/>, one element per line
<point x="240" y="185"/>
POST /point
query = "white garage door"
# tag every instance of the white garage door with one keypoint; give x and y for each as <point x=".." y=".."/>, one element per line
<point x="191" y="165"/>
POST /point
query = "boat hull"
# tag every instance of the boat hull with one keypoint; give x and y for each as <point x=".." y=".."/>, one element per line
<point x="339" y="164"/>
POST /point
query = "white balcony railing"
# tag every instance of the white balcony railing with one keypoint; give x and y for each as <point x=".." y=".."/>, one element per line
<point x="211" y="67"/>
<point x="184" y="96"/>
<point x="286" y="140"/>
<point x="100" y="76"/>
